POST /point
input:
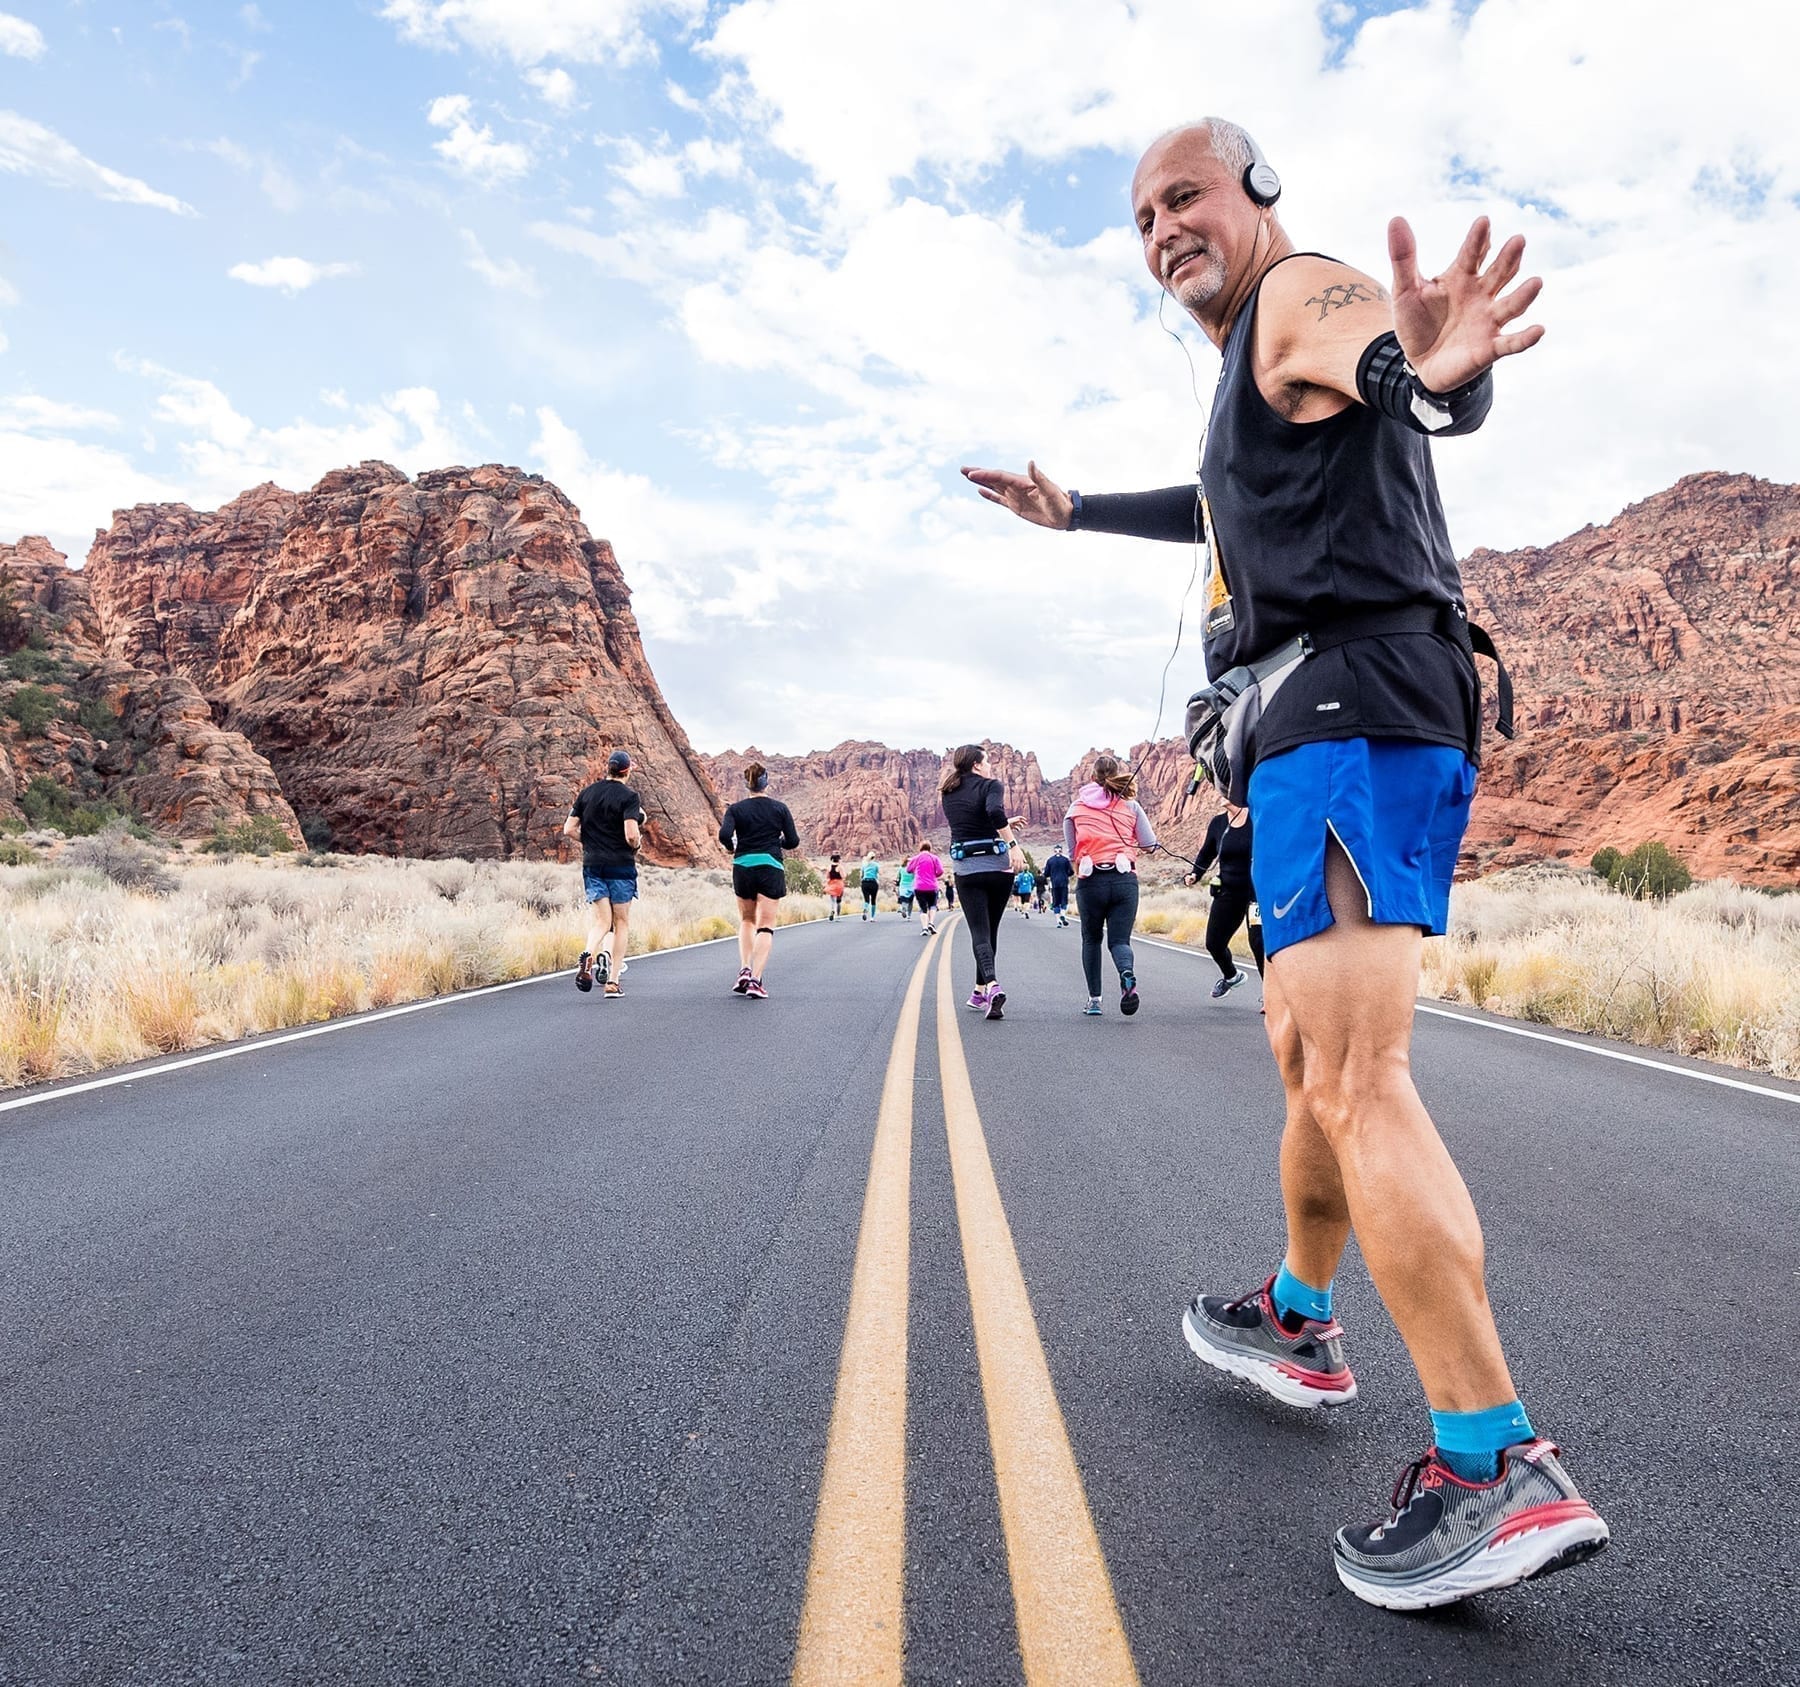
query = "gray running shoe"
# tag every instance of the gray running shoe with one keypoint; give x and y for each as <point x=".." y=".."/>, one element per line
<point x="1246" y="1338"/>
<point x="603" y="967"/>
<point x="1447" y="1538"/>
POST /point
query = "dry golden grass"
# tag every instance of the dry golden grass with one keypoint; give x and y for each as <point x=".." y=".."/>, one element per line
<point x="92" y="975"/>
<point x="1713" y="973"/>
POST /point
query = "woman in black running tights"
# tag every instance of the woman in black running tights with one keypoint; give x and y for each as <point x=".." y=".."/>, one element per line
<point x="756" y="829"/>
<point x="984" y="857"/>
<point x="1228" y="843"/>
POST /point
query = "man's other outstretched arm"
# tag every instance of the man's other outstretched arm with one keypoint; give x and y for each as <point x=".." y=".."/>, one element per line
<point x="1170" y="512"/>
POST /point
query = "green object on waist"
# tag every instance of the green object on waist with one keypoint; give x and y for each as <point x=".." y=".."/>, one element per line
<point x="757" y="860"/>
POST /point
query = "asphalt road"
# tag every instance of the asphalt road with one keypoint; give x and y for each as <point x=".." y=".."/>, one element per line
<point x="499" y="1342"/>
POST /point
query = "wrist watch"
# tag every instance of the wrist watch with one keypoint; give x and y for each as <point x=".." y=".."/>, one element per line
<point x="1074" y="512"/>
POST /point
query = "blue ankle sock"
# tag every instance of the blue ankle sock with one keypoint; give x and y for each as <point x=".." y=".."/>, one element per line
<point x="1297" y="1299"/>
<point x="1470" y="1443"/>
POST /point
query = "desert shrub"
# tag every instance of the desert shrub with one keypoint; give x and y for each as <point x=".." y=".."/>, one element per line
<point x="260" y="834"/>
<point x="15" y="854"/>
<point x="13" y="625"/>
<point x="123" y="858"/>
<point x="29" y="663"/>
<point x="802" y="876"/>
<point x="47" y="803"/>
<point x="33" y="708"/>
<point x="1652" y="871"/>
<point x="99" y="717"/>
<point x="452" y="879"/>
<point x="1606" y="862"/>
<point x="316" y="830"/>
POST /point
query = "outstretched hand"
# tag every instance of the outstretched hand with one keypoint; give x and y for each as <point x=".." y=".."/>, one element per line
<point x="1450" y="327"/>
<point x="1034" y="496"/>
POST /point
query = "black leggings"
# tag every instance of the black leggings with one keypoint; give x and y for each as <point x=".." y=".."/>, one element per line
<point x="984" y="897"/>
<point x="1108" y="904"/>
<point x="1229" y="906"/>
<point x="870" y="886"/>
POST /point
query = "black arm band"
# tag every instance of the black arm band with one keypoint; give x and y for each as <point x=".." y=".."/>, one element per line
<point x="1171" y="512"/>
<point x="1387" y="383"/>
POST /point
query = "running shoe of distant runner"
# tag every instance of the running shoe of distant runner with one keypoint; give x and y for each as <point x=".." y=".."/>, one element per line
<point x="1447" y="1538"/>
<point x="1303" y="1367"/>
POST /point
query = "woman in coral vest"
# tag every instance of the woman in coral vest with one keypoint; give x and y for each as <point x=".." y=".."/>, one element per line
<point x="1104" y="830"/>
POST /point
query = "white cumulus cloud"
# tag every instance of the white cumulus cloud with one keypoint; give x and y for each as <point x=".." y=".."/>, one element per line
<point x="471" y="149"/>
<point x="19" y="39"/>
<point x="554" y="87"/>
<point x="27" y="148"/>
<point x="291" y="275"/>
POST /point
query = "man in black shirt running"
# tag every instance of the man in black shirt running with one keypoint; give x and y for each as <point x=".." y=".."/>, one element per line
<point x="1332" y="574"/>
<point x="607" y="817"/>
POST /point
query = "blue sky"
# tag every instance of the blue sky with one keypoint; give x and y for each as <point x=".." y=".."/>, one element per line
<point x="750" y="278"/>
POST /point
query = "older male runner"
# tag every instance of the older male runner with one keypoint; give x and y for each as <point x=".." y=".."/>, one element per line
<point x="1324" y="514"/>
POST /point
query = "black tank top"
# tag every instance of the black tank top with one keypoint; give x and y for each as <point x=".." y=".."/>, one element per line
<point x="1314" y="522"/>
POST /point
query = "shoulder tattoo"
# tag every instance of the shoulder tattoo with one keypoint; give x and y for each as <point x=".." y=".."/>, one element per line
<point x="1341" y="293"/>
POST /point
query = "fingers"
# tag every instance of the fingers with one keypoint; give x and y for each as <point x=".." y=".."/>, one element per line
<point x="1474" y="249"/>
<point x="1505" y="266"/>
<point x="1518" y="301"/>
<point x="1507" y="345"/>
<point x="1403" y="253"/>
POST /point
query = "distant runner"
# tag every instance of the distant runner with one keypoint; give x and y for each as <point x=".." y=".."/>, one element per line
<point x="607" y="817"/>
<point x="1227" y="842"/>
<point x="1103" y="831"/>
<point x="927" y="870"/>
<point x="1058" y="870"/>
<point x="871" y="883"/>
<point x="1024" y="882"/>
<point x="1335" y="599"/>
<point x="949" y="883"/>
<point x="834" y="888"/>
<point x="904" y="882"/>
<point x="756" y="829"/>
<point x="985" y="856"/>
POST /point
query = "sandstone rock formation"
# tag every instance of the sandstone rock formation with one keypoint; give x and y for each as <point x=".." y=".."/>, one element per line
<point x="144" y="742"/>
<point x="1657" y="665"/>
<point x="863" y="796"/>
<point x="432" y="667"/>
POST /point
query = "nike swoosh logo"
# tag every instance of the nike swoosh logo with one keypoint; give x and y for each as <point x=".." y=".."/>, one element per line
<point x="1281" y="908"/>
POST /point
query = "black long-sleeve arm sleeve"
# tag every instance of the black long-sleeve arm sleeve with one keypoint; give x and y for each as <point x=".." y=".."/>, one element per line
<point x="790" y="838"/>
<point x="1170" y="512"/>
<point x="1209" y="848"/>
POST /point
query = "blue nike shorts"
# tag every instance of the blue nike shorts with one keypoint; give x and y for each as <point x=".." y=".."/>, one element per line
<point x="1398" y="809"/>
<point x="600" y="888"/>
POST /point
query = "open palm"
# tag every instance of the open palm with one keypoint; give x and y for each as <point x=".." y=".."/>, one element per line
<point x="1452" y="326"/>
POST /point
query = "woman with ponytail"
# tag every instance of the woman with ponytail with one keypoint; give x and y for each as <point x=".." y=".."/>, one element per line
<point x="756" y="829"/>
<point x="984" y="856"/>
<point x="1103" y="831"/>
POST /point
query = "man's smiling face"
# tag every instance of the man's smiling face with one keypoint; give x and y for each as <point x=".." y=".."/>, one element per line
<point x="1195" y="220"/>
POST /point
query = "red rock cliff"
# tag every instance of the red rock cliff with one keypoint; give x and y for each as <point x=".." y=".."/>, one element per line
<point x="115" y="733"/>
<point x="433" y="666"/>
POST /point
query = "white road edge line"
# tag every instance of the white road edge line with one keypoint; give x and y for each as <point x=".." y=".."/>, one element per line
<point x="232" y="1050"/>
<point x="1561" y="1042"/>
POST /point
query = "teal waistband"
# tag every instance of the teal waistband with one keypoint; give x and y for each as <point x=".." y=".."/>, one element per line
<point x="758" y="860"/>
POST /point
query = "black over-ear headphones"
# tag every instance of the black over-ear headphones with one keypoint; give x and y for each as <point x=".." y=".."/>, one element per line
<point x="1260" y="181"/>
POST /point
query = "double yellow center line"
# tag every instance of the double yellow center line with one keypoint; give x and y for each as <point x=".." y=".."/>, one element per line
<point x="852" y="1624"/>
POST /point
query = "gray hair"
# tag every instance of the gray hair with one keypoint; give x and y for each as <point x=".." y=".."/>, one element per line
<point x="1230" y="143"/>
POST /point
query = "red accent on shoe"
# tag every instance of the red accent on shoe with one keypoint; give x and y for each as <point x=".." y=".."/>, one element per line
<point x="1331" y="1382"/>
<point x="1543" y="1517"/>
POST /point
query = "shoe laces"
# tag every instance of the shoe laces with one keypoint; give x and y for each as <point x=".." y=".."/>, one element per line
<point x="1414" y="1477"/>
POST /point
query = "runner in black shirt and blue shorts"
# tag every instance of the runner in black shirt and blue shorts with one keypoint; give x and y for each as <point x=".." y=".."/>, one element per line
<point x="607" y="817"/>
<point x="1334" y="600"/>
<point x="756" y="829"/>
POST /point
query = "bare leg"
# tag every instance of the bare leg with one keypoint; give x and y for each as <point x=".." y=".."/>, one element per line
<point x="1318" y="1215"/>
<point x="762" y="915"/>
<point x="1350" y="993"/>
<point x="746" y="930"/>
<point x="599" y="924"/>
<point x="618" y="942"/>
